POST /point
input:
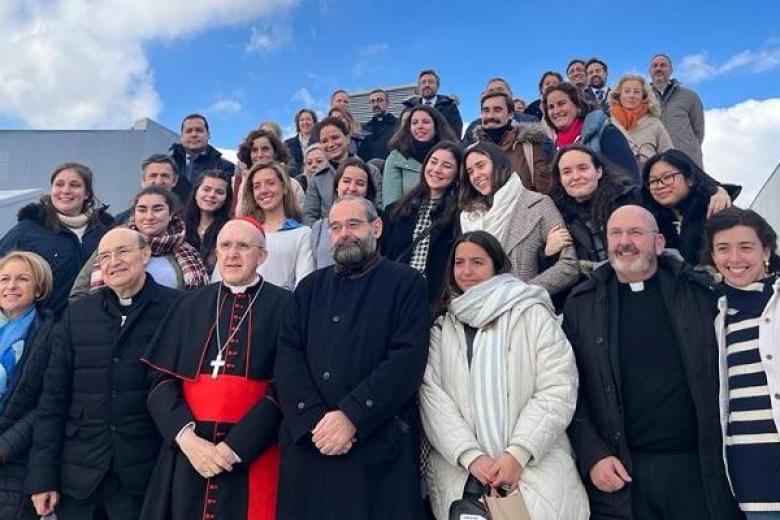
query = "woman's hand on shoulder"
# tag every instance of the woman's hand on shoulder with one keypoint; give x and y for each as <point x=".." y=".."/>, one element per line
<point x="719" y="201"/>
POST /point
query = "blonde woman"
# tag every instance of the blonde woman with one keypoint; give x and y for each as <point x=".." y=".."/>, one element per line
<point x="637" y="112"/>
<point x="25" y="325"/>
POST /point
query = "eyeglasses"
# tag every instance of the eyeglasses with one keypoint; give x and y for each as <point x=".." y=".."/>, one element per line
<point x="350" y="225"/>
<point x="120" y="252"/>
<point x="667" y="179"/>
<point x="242" y="247"/>
<point x="636" y="233"/>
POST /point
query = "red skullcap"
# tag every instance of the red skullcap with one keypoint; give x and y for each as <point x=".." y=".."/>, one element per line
<point x="253" y="222"/>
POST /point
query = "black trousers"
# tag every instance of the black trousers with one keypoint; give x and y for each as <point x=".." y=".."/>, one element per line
<point x="667" y="487"/>
<point x="108" y="502"/>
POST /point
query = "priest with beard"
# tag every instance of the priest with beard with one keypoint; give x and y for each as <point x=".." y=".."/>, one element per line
<point x="213" y="397"/>
<point x="351" y="357"/>
<point x="521" y="142"/>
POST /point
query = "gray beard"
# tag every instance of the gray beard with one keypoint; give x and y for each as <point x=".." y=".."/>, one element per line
<point x="354" y="253"/>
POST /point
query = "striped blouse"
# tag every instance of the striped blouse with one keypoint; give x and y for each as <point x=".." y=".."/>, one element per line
<point x="752" y="439"/>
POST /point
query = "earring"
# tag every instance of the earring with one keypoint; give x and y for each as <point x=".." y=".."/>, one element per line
<point x="766" y="265"/>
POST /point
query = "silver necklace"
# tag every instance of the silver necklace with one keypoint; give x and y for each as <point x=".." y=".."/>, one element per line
<point x="218" y="362"/>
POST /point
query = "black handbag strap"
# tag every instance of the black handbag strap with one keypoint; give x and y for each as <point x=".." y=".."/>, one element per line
<point x="414" y="243"/>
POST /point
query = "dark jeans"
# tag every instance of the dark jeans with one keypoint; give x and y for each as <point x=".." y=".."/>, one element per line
<point x="108" y="502"/>
<point x="667" y="487"/>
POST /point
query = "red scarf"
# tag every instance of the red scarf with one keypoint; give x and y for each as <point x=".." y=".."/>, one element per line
<point x="171" y="242"/>
<point x="570" y="135"/>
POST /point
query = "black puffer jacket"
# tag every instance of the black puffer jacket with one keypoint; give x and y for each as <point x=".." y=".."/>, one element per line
<point x="597" y="429"/>
<point x="61" y="249"/>
<point x="379" y="130"/>
<point x="18" y="417"/>
<point x="92" y="415"/>
<point x="211" y="159"/>
<point x="447" y="106"/>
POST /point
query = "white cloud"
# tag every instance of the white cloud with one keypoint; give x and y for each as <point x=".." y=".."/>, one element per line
<point x="304" y="96"/>
<point x="699" y="67"/>
<point x="81" y="64"/>
<point x="225" y="106"/>
<point x="269" y="35"/>
<point x="231" y="154"/>
<point x="367" y="59"/>
<point x="373" y="50"/>
<point x="741" y="144"/>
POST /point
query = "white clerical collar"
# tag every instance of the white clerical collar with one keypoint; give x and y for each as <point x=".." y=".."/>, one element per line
<point x="637" y="286"/>
<point x="240" y="289"/>
<point x="125" y="302"/>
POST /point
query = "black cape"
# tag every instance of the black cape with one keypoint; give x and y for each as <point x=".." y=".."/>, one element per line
<point x="181" y="355"/>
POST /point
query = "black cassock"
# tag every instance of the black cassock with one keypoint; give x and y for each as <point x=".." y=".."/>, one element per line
<point x="356" y="342"/>
<point x="238" y="406"/>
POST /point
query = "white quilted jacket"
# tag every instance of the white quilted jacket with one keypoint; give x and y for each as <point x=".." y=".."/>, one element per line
<point x="542" y="387"/>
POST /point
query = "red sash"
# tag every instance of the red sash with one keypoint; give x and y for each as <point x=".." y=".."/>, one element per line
<point x="227" y="399"/>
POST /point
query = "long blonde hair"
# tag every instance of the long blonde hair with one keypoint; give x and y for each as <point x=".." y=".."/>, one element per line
<point x="249" y="204"/>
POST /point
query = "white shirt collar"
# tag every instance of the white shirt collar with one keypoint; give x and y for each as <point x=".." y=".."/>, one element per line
<point x="240" y="289"/>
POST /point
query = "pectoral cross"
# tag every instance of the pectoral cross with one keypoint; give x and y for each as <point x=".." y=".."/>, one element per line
<point x="217" y="363"/>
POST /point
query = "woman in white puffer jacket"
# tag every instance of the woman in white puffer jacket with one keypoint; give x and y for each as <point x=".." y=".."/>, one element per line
<point x="500" y="389"/>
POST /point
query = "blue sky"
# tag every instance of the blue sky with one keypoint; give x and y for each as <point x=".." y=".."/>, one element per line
<point x="360" y="45"/>
<point x="79" y="64"/>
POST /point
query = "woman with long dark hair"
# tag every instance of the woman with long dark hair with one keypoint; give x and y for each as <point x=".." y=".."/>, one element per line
<point x="64" y="228"/>
<point x="420" y="228"/>
<point x="174" y="262"/>
<point x="500" y="389"/>
<point x="682" y="197"/>
<point x="586" y="189"/>
<point x="416" y="135"/>
<point x="206" y="212"/>
<point x="492" y="198"/>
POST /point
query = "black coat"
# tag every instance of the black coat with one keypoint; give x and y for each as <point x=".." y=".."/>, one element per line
<point x="447" y="106"/>
<point x="356" y="343"/>
<point x="690" y="239"/>
<point x="61" y="249"/>
<point x="396" y="245"/>
<point x="597" y="430"/>
<point x="577" y="222"/>
<point x="18" y="417"/>
<point x="378" y="133"/>
<point x="92" y="415"/>
<point x="535" y="109"/>
<point x="210" y="160"/>
<point x="298" y="165"/>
